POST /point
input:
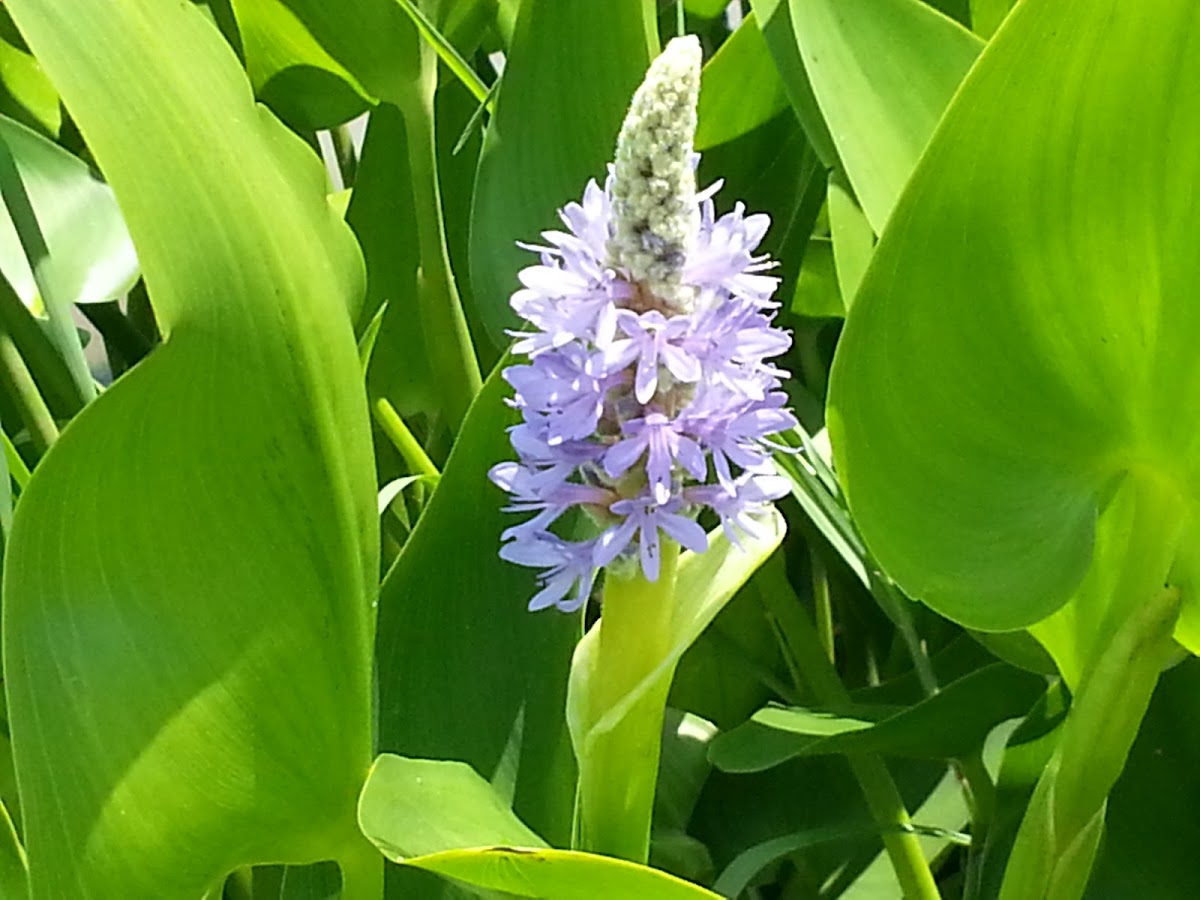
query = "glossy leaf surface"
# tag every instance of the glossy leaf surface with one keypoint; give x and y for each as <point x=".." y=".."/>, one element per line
<point x="234" y="601"/>
<point x="1025" y="336"/>
<point x="883" y="72"/>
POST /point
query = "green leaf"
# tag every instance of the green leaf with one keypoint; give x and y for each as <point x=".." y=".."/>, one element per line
<point x="705" y="9"/>
<point x="413" y="807"/>
<point x="775" y="22"/>
<point x="1007" y="416"/>
<point x="986" y="15"/>
<point x="557" y="115"/>
<point x="190" y="693"/>
<point x="26" y="94"/>
<point x="739" y="88"/>
<point x="817" y="295"/>
<point x="882" y="71"/>
<point x="952" y="722"/>
<point x="443" y="817"/>
<point x="291" y="71"/>
<point x="380" y="214"/>
<point x="853" y="241"/>
<point x="459" y="696"/>
<point x="559" y="875"/>
<point x="91" y="255"/>
<point x="376" y="51"/>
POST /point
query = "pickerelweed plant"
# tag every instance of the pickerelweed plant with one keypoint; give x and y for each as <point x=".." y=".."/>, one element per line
<point x="648" y="397"/>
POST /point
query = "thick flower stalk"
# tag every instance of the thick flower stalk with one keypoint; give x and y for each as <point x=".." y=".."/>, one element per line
<point x="648" y="394"/>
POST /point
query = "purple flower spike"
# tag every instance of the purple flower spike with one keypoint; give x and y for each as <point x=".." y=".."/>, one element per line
<point x="648" y="393"/>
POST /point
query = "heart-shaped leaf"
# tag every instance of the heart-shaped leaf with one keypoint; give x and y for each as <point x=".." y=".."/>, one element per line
<point x="1025" y="336"/>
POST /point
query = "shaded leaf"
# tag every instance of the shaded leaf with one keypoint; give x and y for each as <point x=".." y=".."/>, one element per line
<point x="543" y="144"/>
<point x="459" y="697"/>
<point x="952" y="722"/>
<point x="739" y="88"/>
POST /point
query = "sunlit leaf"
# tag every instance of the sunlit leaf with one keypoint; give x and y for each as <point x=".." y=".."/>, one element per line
<point x="1013" y="351"/>
<point x="883" y="72"/>
<point x="190" y="692"/>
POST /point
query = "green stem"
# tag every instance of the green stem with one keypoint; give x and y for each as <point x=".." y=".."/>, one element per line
<point x="618" y="771"/>
<point x="44" y="361"/>
<point x="822" y="603"/>
<point x="343" y="152"/>
<point x="16" y="381"/>
<point x="362" y="871"/>
<point x="1057" y="841"/>
<point x="451" y="353"/>
<point x="879" y="790"/>
<point x="897" y="608"/>
<point x="118" y="332"/>
<point x="393" y="426"/>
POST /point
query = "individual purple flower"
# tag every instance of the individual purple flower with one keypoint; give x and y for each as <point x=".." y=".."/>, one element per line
<point x="567" y="567"/>
<point x="653" y="341"/>
<point x="649" y="393"/>
<point x="644" y="516"/>
<point x="662" y="443"/>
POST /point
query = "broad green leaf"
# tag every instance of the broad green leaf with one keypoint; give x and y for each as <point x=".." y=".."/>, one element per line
<point x="494" y="664"/>
<point x="569" y="75"/>
<point x="443" y="817"/>
<point x="739" y="88"/>
<point x="190" y="693"/>
<point x="882" y="71"/>
<point x="952" y="722"/>
<point x="380" y="46"/>
<point x="376" y="51"/>
<point x="986" y="15"/>
<point x="291" y="71"/>
<point x="558" y="875"/>
<point x="980" y="432"/>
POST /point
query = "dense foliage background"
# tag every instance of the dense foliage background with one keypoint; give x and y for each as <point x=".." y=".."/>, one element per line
<point x="250" y="547"/>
